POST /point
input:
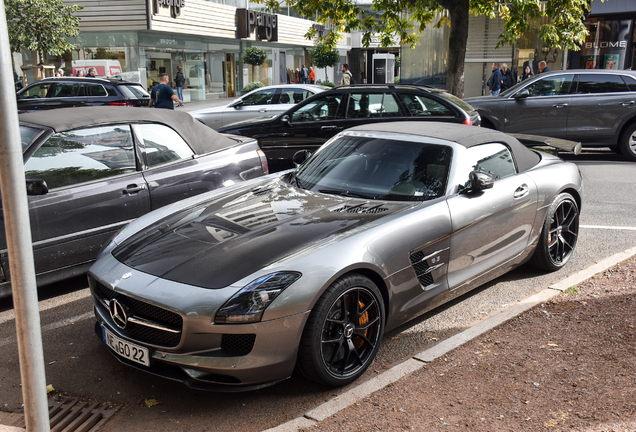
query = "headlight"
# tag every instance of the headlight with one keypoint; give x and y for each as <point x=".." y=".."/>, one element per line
<point x="248" y="305"/>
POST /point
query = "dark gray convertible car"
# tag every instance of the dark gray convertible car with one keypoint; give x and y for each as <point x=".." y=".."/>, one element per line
<point x="90" y="171"/>
<point x="306" y="270"/>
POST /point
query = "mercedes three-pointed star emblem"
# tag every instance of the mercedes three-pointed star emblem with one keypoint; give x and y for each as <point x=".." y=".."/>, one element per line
<point x="118" y="314"/>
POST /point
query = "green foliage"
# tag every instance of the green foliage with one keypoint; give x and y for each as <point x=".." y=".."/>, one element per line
<point x="572" y="290"/>
<point x="323" y="56"/>
<point x="253" y="86"/>
<point x="254" y="56"/>
<point x="41" y="25"/>
<point x="328" y="84"/>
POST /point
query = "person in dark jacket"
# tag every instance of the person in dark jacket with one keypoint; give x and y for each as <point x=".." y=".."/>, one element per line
<point x="494" y="83"/>
<point x="179" y="81"/>
<point x="527" y="73"/>
<point x="543" y="67"/>
<point x="507" y="77"/>
<point x="162" y="95"/>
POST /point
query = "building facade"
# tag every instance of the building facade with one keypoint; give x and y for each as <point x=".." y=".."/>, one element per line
<point x="139" y="39"/>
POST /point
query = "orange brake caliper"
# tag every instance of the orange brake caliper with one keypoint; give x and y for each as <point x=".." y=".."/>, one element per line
<point x="364" y="318"/>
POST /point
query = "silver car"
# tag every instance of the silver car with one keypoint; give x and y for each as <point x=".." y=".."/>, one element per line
<point x="270" y="100"/>
<point x="307" y="269"/>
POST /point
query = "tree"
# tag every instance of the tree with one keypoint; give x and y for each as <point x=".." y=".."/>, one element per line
<point x="41" y="26"/>
<point x="323" y="56"/>
<point x="403" y="19"/>
<point x="254" y="56"/>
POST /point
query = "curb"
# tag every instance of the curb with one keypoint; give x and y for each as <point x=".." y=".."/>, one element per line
<point x="350" y="397"/>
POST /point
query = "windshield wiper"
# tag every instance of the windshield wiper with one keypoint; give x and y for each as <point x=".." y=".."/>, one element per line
<point x="347" y="193"/>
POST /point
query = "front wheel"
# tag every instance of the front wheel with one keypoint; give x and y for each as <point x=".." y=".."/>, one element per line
<point x="343" y="332"/>
<point x="627" y="143"/>
<point x="559" y="235"/>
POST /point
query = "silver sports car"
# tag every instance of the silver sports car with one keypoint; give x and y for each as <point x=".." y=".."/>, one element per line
<point x="305" y="270"/>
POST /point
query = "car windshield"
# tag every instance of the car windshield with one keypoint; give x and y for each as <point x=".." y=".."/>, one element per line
<point x="27" y="135"/>
<point x="377" y="168"/>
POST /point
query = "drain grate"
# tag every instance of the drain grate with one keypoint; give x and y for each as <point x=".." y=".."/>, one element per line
<point x="72" y="415"/>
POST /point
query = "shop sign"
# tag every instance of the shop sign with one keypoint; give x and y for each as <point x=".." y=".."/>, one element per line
<point x="174" y="5"/>
<point x="597" y="45"/>
<point x="266" y="25"/>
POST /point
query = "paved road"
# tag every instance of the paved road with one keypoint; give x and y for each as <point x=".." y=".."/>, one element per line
<point x="77" y="363"/>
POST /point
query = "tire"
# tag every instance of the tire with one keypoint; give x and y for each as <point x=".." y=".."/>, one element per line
<point x="559" y="234"/>
<point x="627" y="143"/>
<point x="343" y="332"/>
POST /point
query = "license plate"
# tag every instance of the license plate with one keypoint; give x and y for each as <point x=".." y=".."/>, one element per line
<point x="132" y="352"/>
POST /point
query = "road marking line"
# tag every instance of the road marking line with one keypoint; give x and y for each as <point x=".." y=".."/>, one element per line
<point x="52" y="326"/>
<point x="608" y="227"/>
<point x="50" y="303"/>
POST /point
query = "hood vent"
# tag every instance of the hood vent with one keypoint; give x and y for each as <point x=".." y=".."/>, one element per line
<point x="361" y="208"/>
<point x="262" y="190"/>
<point x="421" y="269"/>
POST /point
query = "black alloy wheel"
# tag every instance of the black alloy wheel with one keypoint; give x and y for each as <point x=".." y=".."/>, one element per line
<point x="560" y="234"/>
<point x="343" y="332"/>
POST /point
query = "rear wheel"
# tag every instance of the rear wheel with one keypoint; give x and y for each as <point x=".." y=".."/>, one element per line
<point x="559" y="235"/>
<point x="343" y="332"/>
<point x="628" y="143"/>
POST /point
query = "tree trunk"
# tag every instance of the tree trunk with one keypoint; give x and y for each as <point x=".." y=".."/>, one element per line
<point x="459" y="12"/>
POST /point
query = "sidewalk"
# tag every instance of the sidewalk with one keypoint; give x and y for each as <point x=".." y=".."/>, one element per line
<point x="567" y="363"/>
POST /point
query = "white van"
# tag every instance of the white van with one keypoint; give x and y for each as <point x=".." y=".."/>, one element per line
<point x="104" y="68"/>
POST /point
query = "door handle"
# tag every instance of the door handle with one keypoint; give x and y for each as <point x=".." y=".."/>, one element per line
<point x="560" y="105"/>
<point x="628" y="103"/>
<point x="521" y="191"/>
<point x="133" y="189"/>
<point x="328" y="127"/>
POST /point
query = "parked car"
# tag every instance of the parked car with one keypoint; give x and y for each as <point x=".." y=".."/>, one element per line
<point x="595" y="107"/>
<point x="90" y="171"/>
<point x="65" y="92"/>
<point x="263" y="101"/>
<point x="306" y="270"/>
<point x="310" y="123"/>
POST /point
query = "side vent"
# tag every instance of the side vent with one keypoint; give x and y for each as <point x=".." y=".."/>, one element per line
<point x="262" y="190"/>
<point x="421" y="269"/>
<point x="360" y="209"/>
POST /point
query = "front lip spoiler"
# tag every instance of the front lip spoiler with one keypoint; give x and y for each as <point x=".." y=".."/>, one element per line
<point x="171" y="373"/>
<point x="558" y="143"/>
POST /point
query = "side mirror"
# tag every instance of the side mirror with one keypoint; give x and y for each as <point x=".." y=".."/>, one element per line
<point x="522" y="94"/>
<point x="236" y="103"/>
<point x="285" y="119"/>
<point x="480" y="180"/>
<point x="36" y="187"/>
<point x="301" y="156"/>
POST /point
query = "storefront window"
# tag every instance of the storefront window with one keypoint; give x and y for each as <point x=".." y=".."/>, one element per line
<point x="608" y="44"/>
<point x="427" y="63"/>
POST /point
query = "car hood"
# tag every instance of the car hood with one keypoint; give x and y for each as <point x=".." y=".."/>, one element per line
<point x="476" y="102"/>
<point x="220" y="241"/>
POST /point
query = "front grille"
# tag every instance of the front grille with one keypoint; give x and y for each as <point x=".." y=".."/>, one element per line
<point x="238" y="344"/>
<point x="420" y="266"/>
<point x="359" y="209"/>
<point x="148" y="312"/>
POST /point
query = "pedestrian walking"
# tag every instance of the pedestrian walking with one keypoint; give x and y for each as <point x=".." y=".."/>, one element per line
<point x="162" y="95"/>
<point x="179" y="81"/>
<point x="494" y="83"/>
<point x="312" y="75"/>
<point x="304" y="75"/>
<point x="507" y="77"/>
<point x="346" y="75"/>
<point x="92" y="73"/>
<point x="527" y="73"/>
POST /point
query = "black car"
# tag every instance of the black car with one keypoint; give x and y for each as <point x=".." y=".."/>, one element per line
<point x="595" y="107"/>
<point x="64" y="92"/>
<point x="89" y="171"/>
<point x="310" y="123"/>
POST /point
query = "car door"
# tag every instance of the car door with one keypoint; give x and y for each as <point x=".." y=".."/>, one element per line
<point x="309" y="126"/>
<point x="600" y="103"/>
<point x="94" y="189"/>
<point x="253" y="105"/>
<point x="65" y="95"/>
<point x="289" y="96"/>
<point x="170" y="169"/>
<point x="492" y="226"/>
<point x="365" y="107"/>
<point x="544" y="111"/>
<point x="34" y="96"/>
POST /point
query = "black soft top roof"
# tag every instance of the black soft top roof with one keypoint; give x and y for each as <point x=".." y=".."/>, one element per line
<point x="201" y="138"/>
<point x="466" y="136"/>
